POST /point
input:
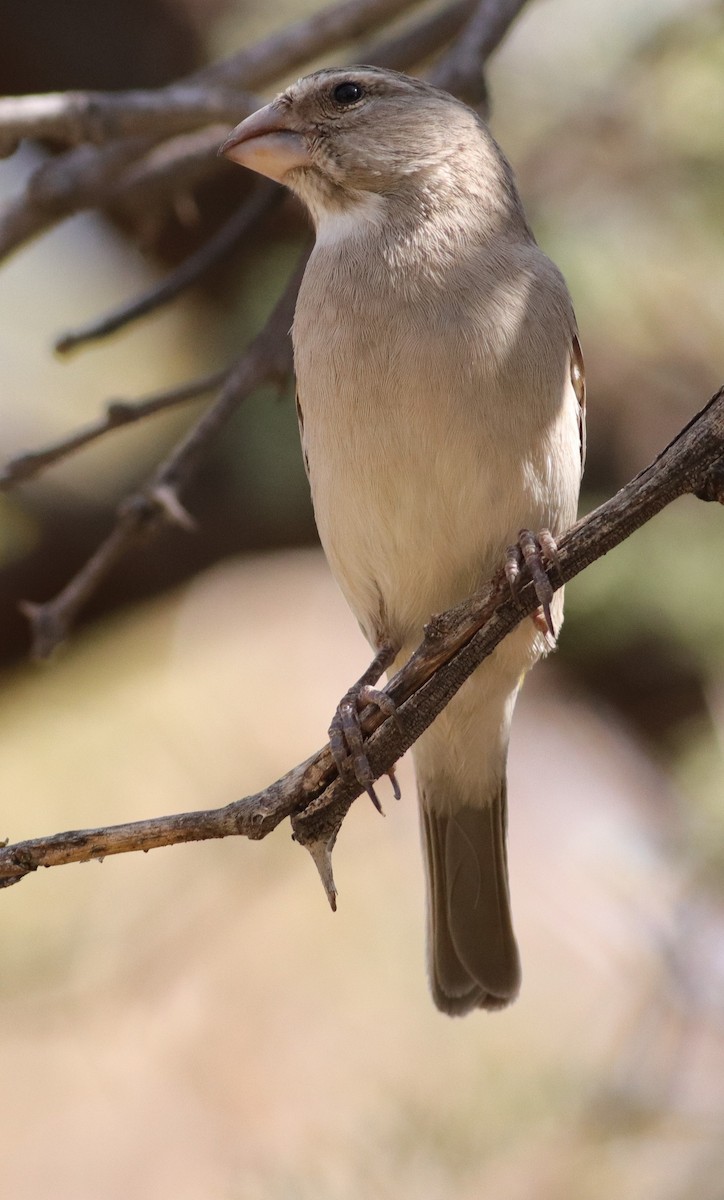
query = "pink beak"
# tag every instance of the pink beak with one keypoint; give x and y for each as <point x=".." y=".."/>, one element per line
<point x="264" y="142"/>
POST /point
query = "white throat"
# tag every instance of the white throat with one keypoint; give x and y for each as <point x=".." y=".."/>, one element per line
<point x="354" y="221"/>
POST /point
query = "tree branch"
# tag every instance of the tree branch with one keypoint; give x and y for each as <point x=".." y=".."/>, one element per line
<point x="311" y="37"/>
<point x="461" y="69"/>
<point x="118" y="413"/>
<point x="405" y="50"/>
<point x="262" y="200"/>
<point x="144" y="512"/>
<point x="82" y="178"/>
<point x="87" y="176"/>
<point x="92" y="176"/>
<point x="131" y="167"/>
<point x="213" y="93"/>
<point x="399" y="52"/>
<point x="455" y="643"/>
<point x="98" y="117"/>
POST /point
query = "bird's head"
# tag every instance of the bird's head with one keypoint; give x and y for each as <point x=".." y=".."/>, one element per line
<point x="342" y="134"/>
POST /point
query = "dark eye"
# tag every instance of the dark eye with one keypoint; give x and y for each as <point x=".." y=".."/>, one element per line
<point x="347" y="93"/>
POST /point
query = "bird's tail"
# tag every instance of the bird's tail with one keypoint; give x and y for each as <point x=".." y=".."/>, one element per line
<point x="473" y="956"/>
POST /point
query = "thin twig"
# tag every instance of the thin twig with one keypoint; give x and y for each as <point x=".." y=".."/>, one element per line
<point x="262" y="200"/>
<point x="144" y="512"/>
<point x="455" y="643"/>
<point x="118" y="412"/>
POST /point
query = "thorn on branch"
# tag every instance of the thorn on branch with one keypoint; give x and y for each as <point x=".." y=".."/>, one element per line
<point x="320" y="850"/>
<point x="167" y="500"/>
<point x="48" y="628"/>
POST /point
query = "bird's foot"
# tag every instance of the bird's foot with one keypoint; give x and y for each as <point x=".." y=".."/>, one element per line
<point x="534" y="551"/>
<point x="346" y="738"/>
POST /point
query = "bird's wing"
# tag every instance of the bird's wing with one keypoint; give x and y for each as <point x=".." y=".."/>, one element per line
<point x="300" y="419"/>
<point x="578" y="379"/>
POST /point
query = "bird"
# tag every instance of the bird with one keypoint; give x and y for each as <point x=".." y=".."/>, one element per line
<point x="441" y="402"/>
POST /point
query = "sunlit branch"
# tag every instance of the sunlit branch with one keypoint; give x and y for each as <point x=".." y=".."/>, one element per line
<point x="313" y="795"/>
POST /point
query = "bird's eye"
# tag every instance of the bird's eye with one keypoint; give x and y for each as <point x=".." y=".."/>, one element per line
<point x="347" y="93"/>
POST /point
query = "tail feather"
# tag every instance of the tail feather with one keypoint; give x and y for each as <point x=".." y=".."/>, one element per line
<point x="473" y="955"/>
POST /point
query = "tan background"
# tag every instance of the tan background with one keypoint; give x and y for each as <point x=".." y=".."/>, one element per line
<point x="195" y="1023"/>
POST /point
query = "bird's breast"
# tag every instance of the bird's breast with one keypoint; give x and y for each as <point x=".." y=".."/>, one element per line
<point x="422" y="464"/>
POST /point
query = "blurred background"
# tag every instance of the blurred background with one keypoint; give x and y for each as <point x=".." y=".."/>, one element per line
<point x="194" y="1022"/>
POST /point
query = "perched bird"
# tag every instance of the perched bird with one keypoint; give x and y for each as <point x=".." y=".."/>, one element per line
<point x="440" y="403"/>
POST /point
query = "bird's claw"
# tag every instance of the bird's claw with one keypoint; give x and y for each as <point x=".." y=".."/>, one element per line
<point x="532" y="551"/>
<point x="346" y="738"/>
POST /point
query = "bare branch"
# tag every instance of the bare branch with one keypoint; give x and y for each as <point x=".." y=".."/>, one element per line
<point x="455" y="643"/>
<point x="145" y="511"/>
<point x="264" y="197"/>
<point x="118" y="412"/>
<point x="461" y="69"/>
<point x="86" y="177"/>
<point x="179" y="162"/>
<point x="210" y="94"/>
<point x="98" y="117"/>
<point x="311" y="37"/>
<point x="50" y="622"/>
<point x="188" y="159"/>
<point x="405" y="50"/>
<point x="89" y="176"/>
<point x="82" y="178"/>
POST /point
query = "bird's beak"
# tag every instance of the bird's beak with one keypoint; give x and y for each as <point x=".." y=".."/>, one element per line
<point x="266" y="143"/>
